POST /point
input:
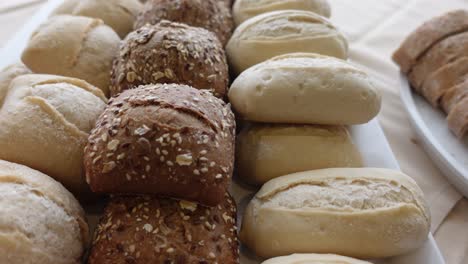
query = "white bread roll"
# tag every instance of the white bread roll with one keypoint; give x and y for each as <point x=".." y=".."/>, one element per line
<point x="280" y="32"/>
<point x="264" y="151"/>
<point x="245" y="9"/>
<point x="314" y="259"/>
<point x="118" y="14"/>
<point x="73" y="46"/>
<point x="8" y="74"/>
<point x="45" y="123"/>
<point x="363" y="213"/>
<point x="305" y="88"/>
<point x="41" y="221"/>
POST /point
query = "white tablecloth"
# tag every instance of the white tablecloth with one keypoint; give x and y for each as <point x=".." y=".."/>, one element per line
<point x="374" y="29"/>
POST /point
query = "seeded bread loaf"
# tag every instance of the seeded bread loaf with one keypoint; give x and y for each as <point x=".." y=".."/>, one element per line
<point x="118" y="14"/>
<point x="363" y="213"/>
<point x="171" y="53"/>
<point x="314" y="259"/>
<point x="41" y="221"/>
<point x="213" y="15"/>
<point x="165" y="139"/>
<point x="427" y="35"/>
<point x="73" y="46"/>
<point x="8" y="74"/>
<point x="45" y="122"/>
<point x="153" y="230"/>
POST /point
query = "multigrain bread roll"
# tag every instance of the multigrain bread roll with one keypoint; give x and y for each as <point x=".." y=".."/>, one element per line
<point x="45" y="121"/>
<point x="364" y="213"/>
<point x="245" y="9"/>
<point x="8" y="74"/>
<point x="212" y="15"/>
<point x="280" y="32"/>
<point x="314" y="259"/>
<point x="431" y="32"/>
<point x="439" y="55"/>
<point x="73" y="46"/>
<point x="305" y="88"/>
<point x="118" y="14"/>
<point x="171" y="53"/>
<point x="154" y="230"/>
<point x="458" y="118"/>
<point x="264" y="152"/>
<point x="441" y="81"/>
<point x="454" y="95"/>
<point x="41" y="221"/>
<point x="165" y="139"/>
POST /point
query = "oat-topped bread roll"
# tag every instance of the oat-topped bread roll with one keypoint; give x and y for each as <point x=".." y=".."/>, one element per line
<point x="166" y="139"/>
<point x="245" y="9"/>
<point x="310" y="88"/>
<point x="454" y="95"/>
<point x="314" y="259"/>
<point x="154" y="230"/>
<point x="428" y="34"/>
<point x="458" y="118"/>
<point x="280" y="32"/>
<point x="363" y="213"/>
<point x="212" y="15"/>
<point x="171" y="53"/>
<point x="41" y="221"/>
<point x="266" y="151"/>
<point x="73" y="46"/>
<point x="118" y="14"/>
<point x="45" y="123"/>
<point x="8" y="74"/>
<point x="439" y="55"/>
<point x="441" y="81"/>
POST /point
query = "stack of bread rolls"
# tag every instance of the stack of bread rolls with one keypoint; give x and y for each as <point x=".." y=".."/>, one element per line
<point x="434" y="57"/>
<point x="130" y="99"/>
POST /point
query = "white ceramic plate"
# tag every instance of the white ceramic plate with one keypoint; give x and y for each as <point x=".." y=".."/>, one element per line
<point x="447" y="151"/>
<point x="369" y="138"/>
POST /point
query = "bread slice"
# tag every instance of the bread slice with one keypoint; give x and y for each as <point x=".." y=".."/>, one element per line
<point x="458" y="118"/>
<point x="454" y="95"/>
<point x="427" y="35"/>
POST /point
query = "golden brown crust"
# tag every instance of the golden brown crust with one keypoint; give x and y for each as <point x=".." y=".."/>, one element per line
<point x="212" y="15"/>
<point x="145" y="229"/>
<point x="165" y="139"/>
<point x="171" y="53"/>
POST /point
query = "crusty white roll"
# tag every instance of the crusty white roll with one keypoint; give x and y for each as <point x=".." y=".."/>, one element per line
<point x="45" y="122"/>
<point x="265" y="151"/>
<point x="363" y="213"/>
<point x="74" y="46"/>
<point x="245" y="9"/>
<point x="118" y="14"/>
<point x="8" y="74"/>
<point x="314" y="259"/>
<point x="280" y="32"/>
<point x="305" y="88"/>
<point x="41" y="221"/>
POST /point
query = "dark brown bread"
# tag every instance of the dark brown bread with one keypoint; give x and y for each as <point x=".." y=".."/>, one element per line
<point x="213" y="15"/>
<point x="150" y="230"/>
<point x="171" y="53"/>
<point x="167" y="139"/>
<point x="429" y="33"/>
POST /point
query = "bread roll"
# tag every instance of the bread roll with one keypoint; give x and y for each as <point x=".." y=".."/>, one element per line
<point x="45" y="123"/>
<point x="153" y="230"/>
<point x="281" y="32"/>
<point x="171" y="53"/>
<point x="264" y="152"/>
<point x="305" y="88"/>
<point x="458" y="118"/>
<point x="8" y="74"/>
<point x="245" y="9"/>
<point x="314" y="259"/>
<point x="454" y="95"/>
<point x="363" y="213"/>
<point x="118" y="14"/>
<point x="165" y="139"/>
<point x="428" y="34"/>
<point x="73" y="46"/>
<point x="41" y="221"/>
<point x="212" y="15"/>
<point x="439" y="55"/>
